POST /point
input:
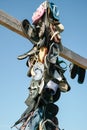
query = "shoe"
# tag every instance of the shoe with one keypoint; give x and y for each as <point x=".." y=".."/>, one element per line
<point x="81" y="75"/>
<point x="29" y="31"/>
<point x="76" y="70"/>
<point x="41" y="42"/>
<point x="33" y="93"/>
<point x="46" y="96"/>
<point x="29" y="53"/>
<point x="73" y="70"/>
<point x="51" y="110"/>
<point x="57" y="95"/>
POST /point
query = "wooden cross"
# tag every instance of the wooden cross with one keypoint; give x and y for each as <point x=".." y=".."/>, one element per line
<point x="15" y="25"/>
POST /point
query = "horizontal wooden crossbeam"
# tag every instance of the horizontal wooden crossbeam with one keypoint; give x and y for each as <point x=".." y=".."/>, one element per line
<point x="74" y="58"/>
<point x="15" y="25"/>
<point x="11" y="23"/>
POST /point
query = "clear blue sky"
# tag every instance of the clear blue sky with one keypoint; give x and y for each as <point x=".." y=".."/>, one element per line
<point x="14" y="82"/>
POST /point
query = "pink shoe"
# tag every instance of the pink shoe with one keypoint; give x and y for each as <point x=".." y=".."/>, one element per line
<point x="38" y="14"/>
